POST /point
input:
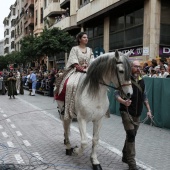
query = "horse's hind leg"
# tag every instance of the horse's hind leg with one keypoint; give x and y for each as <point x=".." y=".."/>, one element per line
<point x="82" y="129"/>
<point x="66" y="126"/>
<point x="96" y="129"/>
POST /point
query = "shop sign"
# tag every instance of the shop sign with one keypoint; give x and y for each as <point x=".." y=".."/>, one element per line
<point x="136" y="51"/>
<point x="164" y="51"/>
<point x="145" y="51"/>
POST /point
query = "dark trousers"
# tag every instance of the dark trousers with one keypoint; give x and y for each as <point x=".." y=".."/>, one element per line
<point x="129" y="145"/>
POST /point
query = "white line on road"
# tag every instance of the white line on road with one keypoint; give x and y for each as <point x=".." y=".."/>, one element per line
<point x="13" y="126"/>
<point x="4" y="115"/>
<point x="37" y="155"/>
<point x="103" y="144"/>
<point x="19" y="159"/>
<point x="10" y="144"/>
<point x="26" y="143"/>
<point x="18" y="133"/>
<point x="8" y="120"/>
<point x="1" y="127"/>
<point x="5" y="134"/>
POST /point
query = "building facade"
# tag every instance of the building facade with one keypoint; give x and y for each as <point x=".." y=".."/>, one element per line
<point x="38" y="16"/>
<point x="139" y="26"/>
<point x="9" y="27"/>
<point x="1" y="47"/>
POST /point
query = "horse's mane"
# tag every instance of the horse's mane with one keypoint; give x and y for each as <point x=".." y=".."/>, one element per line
<point x="102" y="66"/>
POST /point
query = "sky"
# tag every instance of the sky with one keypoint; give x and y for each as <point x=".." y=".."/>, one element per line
<point x="4" y="8"/>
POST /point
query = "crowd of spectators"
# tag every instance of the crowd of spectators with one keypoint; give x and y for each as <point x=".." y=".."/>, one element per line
<point x="45" y="80"/>
<point x="157" y="69"/>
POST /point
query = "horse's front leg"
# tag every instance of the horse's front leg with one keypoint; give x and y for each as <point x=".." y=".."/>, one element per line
<point x="96" y="129"/>
<point x="82" y="128"/>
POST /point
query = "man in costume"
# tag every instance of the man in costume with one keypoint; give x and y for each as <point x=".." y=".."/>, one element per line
<point x="131" y="110"/>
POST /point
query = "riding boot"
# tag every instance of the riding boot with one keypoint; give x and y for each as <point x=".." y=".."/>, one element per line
<point x="13" y="97"/>
<point x="130" y="155"/>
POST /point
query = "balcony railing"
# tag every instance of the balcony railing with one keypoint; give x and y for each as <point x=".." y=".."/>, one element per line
<point x="66" y="23"/>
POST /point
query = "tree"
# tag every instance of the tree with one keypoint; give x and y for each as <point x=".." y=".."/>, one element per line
<point x="53" y="41"/>
<point x="28" y="51"/>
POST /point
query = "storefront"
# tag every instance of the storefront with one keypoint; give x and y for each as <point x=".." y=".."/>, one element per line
<point x="165" y="29"/>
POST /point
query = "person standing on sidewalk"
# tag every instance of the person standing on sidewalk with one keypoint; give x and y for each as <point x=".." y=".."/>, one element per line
<point x="33" y="79"/>
<point x="11" y="82"/>
<point x="131" y="110"/>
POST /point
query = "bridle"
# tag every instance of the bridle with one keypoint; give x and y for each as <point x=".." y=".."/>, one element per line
<point x="120" y="85"/>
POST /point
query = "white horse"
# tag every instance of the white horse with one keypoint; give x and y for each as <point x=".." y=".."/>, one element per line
<point x="91" y="100"/>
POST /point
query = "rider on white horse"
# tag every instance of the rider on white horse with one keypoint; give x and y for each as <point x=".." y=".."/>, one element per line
<point x="79" y="59"/>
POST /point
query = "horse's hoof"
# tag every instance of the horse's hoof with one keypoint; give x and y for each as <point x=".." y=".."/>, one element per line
<point x="97" y="167"/>
<point x="69" y="151"/>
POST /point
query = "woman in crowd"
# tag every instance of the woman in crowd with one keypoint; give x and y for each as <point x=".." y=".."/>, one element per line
<point x="11" y="81"/>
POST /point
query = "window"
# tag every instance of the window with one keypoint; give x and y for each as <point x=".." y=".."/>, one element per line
<point x="83" y="2"/>
<point x="36" y="17"/>
<point x="13" y="10"/>
<point x="126" y="30"/>
<point x="41" y="21"/>
<point x="45" y="3"/>
<point x="134" y="18"/>
<point x="165" y="23"/>
<point x="95" y="35"/>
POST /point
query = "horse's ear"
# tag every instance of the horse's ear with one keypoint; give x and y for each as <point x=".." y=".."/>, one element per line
<point x="117" y="54"/>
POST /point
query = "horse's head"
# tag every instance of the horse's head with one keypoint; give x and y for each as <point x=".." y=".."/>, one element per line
<point x="121" y="79"/>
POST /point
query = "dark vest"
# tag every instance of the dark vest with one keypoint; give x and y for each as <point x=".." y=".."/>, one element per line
<point x="135" y="109"/>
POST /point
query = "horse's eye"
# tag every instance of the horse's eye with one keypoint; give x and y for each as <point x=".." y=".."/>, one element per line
<point x="121" y="71"/>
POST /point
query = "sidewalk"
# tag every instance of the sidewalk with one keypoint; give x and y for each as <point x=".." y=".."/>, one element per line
<point x="31" y="124"/>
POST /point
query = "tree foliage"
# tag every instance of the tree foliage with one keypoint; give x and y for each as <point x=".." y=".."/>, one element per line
<point x="54" y="41"/>
<point x="28" y="51"/>
<point x="12" y="58"/>
<point x="49" y="43"/>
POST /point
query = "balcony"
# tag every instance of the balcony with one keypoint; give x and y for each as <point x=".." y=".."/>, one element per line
<point x="29" y="21"/>
<point x="52" y="9"/>
<point x="67" y="23"/>
<point x="29" y="4"/>
<point x="93" y="8"/>
<point x="64" y="4"/>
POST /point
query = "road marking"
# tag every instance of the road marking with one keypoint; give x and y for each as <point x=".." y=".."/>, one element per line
<point x="2" y="111"/>
<point x="1" y="127"/>
<point x="37" y="155"/>
<point x="5" y="134"/>
<point x="10" y="144"/>
<point x="18" y="133"/>
<point x="4" y="115"/>
<point x="26" y="143"/>
<point x="8" y="120"/>
<point x="13" y="126"/>
<point x="103" y="144"/>
<point x="19" y="158"/>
